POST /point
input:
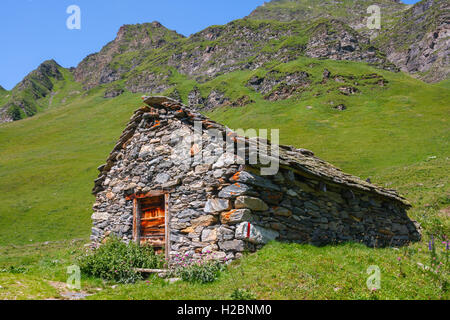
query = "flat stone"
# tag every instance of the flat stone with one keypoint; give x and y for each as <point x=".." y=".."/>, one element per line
<point x="277" y="226"/>
<point x="234" y="190"/>
<point x="203" y="221"/>
<point x="217" y="205"/>
<point x="253" y="179"/>
<point x="100" y="216"/>
<point x="162" y="178"/>
<point x="210" y="248"/>
<point x="218" y="255"/>
<point x="399" y="228"/>
<point x="188" y="213"/>
<point x="218" y="173"/>
<point x="96" y="232"/>
<point x="110" y="195"/>
<point x="225" y="233"/>
<point x="283" y="212"/>
<point x="233" y="245"/>
<point x="171" y="184"/>
<point x="209" y="235"/>
<point x="145" y="151"/>
<point x="272" y="197"/>
<point x="202" y="168"/>
<point x="251" y="203"/>
<point x="257" y="235"/>
<point x="224" y="160"/>
<point x="236" y="216"/>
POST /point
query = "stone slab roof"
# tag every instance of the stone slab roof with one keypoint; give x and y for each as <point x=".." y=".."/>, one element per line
<point x="300" y="160"/>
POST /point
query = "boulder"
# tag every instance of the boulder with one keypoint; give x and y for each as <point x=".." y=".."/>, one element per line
<point x="217" y="205"/>
<point x="100" y="216"/>
<point x="272" y="197"/>
<point x="209" y="235"/>
<point x="257" y="234"/>
<point x="162" y="178"/>
<point x="203" y="221"/>
<point x="236" y="216"/>
<point x="283" y="212"/>
<point x="234" y="190"/>
<point x="233" y="245"/>
<point x="255" y="180"/>
<point x="251" y="203"/>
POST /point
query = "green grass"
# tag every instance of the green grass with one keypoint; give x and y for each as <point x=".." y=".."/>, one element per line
<point x="397" y="135"/>
<point x="303" y="272"/>
<point x="290" y="271"/>
<point x="48" y="163"/>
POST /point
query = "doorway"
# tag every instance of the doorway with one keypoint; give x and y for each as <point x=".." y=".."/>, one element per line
<point x="150" y="221"/>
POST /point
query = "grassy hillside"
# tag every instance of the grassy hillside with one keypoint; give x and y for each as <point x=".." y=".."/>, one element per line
<point x="48" y="163"/>
<point x="3" y="95"/>
<point x="48" y="85"/>
<point x="290" y="271"/>
<point x="396" y="134"/>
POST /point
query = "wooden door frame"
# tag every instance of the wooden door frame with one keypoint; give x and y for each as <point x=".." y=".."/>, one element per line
<point x="137" y="217"/>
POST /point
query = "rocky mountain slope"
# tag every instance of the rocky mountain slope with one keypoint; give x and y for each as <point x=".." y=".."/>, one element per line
<point x="133" y="44"/>
<point x="353" y="13"/>
<point x="415" y="38"/>
<point x="23" y="100"/>
<point x="420" y="44"/>
<point x="149" y="58"/>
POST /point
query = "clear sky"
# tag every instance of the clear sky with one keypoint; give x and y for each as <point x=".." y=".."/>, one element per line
<point x="32" y="31"/>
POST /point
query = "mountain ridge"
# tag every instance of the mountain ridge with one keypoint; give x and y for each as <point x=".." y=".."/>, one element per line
<point x="149" y="58"/>
<point x="36" y="85"/>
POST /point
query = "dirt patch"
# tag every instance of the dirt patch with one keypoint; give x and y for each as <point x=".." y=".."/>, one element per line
<point x="66" y="293"/>
<point x="445" y="211"/>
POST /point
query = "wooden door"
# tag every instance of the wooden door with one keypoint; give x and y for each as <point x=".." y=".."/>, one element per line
<point x="151" y="221"/>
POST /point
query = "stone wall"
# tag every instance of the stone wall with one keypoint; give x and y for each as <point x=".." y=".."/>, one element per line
<point x="214" y="202"/>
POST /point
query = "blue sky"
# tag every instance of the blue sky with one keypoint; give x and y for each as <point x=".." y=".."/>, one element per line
<point x="32" y="31"/>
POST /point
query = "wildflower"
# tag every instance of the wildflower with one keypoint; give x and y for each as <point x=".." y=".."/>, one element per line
<point x="399" y="258"/>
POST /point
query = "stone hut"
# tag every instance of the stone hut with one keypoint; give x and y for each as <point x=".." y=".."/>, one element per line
<point x="179" y="181"/>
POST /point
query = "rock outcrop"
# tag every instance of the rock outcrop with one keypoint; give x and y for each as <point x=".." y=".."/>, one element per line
<point x="419" y="43"/>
